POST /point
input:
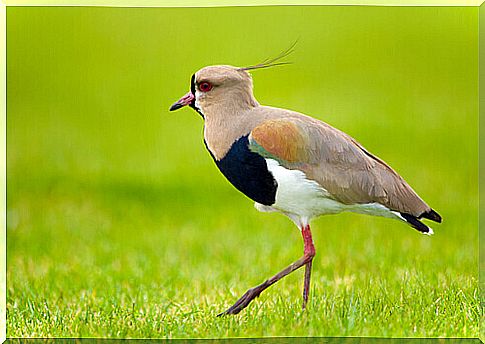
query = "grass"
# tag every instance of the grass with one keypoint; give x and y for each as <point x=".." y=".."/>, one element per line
<point x="119" y="224"/>
<point x="140" y="262"/>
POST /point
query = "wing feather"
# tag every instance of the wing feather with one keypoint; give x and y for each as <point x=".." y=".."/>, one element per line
<point x="336" y="161"/>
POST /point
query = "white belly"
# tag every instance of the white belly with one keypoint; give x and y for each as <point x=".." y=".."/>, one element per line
<point x="303" y="199"/>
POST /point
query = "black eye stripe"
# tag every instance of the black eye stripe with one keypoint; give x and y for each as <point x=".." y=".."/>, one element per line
<point x="192" y="90"/>
<point x="192" y="84"/>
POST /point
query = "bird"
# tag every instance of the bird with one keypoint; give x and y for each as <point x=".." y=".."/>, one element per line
<point x="294" y="164"/>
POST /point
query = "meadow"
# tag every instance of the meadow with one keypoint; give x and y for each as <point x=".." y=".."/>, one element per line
<point x="120" y="225"/>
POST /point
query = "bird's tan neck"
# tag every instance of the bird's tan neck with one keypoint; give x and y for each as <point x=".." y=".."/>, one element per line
<point x="223" y="128"/>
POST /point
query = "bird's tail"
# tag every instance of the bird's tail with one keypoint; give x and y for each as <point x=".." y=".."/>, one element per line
<point x="414" y="222"/>
<point x="431" y="215"/>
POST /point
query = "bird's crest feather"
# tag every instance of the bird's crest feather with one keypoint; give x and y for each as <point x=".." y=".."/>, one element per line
<point x="272" y="62"/>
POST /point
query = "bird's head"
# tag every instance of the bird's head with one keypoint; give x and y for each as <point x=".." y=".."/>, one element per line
<point x="216" y="88"/>
<point x="225" y="89"/>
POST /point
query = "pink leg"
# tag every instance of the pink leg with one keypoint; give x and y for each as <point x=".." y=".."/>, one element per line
<point x="251" y="294"/>
<point x="309" y="251"/>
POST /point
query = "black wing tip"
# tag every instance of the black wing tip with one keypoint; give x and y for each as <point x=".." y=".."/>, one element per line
<point x="414" y="222"/>
<point x="431" y="215"/>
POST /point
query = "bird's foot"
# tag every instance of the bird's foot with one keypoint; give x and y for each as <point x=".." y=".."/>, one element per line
<point x="243" y="302"/>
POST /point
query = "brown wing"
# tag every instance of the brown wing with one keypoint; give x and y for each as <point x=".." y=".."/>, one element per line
<point x="337" y="162"/>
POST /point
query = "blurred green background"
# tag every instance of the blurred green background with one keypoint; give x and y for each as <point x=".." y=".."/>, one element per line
<point x="120" y="225"/>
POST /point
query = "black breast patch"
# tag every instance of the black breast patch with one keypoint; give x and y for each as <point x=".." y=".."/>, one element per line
<point x="248" y="172"/>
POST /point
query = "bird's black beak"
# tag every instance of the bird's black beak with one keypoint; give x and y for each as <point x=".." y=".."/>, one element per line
<point x="185" y="100"/>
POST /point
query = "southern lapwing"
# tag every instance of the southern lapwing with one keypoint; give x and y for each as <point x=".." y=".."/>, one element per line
<point x="293" y="164"/>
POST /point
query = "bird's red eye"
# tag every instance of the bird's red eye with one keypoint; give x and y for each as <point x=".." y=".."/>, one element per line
<point x="205" y="86"/>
